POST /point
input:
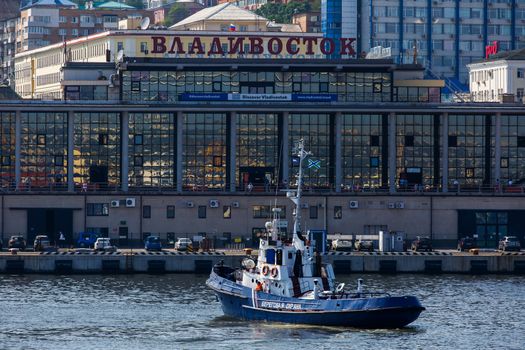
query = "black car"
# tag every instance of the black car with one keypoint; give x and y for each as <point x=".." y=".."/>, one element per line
<point x="466" y="243"/>
<point x="17" y="242"/>
<point x="365" y="245"/>
<point x="422" y="244"/>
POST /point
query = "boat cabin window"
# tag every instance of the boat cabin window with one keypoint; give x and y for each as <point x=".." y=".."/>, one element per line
<point x="270" y="256"/>
<point x="279" y="257"/>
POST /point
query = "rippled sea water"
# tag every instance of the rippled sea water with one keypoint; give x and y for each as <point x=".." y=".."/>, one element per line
<point x="179" y="312"/>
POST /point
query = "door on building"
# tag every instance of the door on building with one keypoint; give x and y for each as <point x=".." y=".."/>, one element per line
<point x="491" y="226"/>
<point x="414" y="176"/>
<point x="50" y="222"/>
<point x="260" y="177"/>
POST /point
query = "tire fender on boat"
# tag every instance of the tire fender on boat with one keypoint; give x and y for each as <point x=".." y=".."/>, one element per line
<point x="274" y="272"/>
<point x="265" y="270"/>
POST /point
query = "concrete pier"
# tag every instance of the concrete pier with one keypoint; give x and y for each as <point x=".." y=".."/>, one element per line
<point x="177" y="262"/>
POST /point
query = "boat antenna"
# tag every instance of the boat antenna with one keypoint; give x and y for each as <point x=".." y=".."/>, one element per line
<point x="295" y="197"/>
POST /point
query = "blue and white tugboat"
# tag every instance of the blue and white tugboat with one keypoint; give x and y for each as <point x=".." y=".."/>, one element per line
<point x="290" y="283"/>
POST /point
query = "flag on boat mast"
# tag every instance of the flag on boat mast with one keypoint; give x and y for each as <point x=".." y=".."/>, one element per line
<point x="315" y="164"/>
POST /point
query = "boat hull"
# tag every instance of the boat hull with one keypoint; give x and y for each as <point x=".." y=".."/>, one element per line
<point x="375" y="312"/>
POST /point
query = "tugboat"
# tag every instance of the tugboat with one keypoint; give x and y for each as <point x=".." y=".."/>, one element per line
<point x="291" y="284"/>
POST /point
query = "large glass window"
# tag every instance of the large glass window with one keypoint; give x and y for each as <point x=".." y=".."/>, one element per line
<point x="152" y="149"/>
<point x="512" y="149"/>
<point x="314" y="129"/>
<point x="44" y="149"/>
<point x="204" y="155"/>
<point x="172" y="85"/>
<point x="467" y="158"/>
<point x="7" y="149"/>
<point x="257" y="150"/>
<point x="97" y="149"/>
<point x="415" y="150"/>
<point x="361" y="144"/>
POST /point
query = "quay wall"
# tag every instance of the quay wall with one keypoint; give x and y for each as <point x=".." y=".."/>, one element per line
<point x="202" y="262"/>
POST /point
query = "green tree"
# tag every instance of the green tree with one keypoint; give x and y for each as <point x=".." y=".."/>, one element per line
<point x="176" y="14"/>
<point x="281" y="13"/>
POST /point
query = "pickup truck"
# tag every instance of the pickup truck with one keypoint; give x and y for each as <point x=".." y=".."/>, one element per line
<point x="508" y="243"/>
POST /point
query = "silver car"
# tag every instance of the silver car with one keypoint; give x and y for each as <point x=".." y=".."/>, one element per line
<point x="183" y="244"/>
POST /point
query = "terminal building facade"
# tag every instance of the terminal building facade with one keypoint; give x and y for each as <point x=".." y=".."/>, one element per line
<point x="194" y="146"/>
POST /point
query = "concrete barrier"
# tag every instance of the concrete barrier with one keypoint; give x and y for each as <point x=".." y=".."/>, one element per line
<point x="433" y="266"/>
<point x="182" y="262"/>
<point x="388" y="266"/>
<point x="63" y="266"/>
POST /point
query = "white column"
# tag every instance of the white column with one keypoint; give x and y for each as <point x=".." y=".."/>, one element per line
<point x="233" y="149"/>
<point x="338" y="144"/>
<point x="392" y="152"/>
<point x="70" y="151"/>
<point x="18" y="139"/>
<point x="497" y="149"/>
<point x="178" y="167"/>
<point x="124" y="171"/>
<point x="444" y="145"/>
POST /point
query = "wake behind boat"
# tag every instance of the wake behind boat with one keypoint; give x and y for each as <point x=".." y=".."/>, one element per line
<point x="290" y="283"/>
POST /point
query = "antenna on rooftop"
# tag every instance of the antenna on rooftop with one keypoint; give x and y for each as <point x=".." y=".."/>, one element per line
<point x="144" y="24"/>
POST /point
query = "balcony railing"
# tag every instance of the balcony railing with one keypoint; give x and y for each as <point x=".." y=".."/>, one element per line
<point x="53" y="187"/>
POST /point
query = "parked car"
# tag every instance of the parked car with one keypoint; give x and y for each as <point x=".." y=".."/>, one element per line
<point x="86" y="239"/>
<point x="183" y="244"/>
<point x="364" y="245"/>
<point x="466" y="243"/>
<point x="41" y="243"/>
<point x="422" y="244"/>
<point x="153" y="243"/>
<point x="508" y="243"/>
<point x="104" y="244"/>
<point x="17" y="242"/>
<point x="342" y="245"/>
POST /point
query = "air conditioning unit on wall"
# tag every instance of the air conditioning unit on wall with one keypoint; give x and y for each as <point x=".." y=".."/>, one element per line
<point x="354" y="204"/>
<point x="189" y="204"/>
<point x="115" y="203"/>
<point x="214" y="203"/>
<point x="236" y="204"/>
<point x="400" y="205"/>
<point x="304" y="205"/>
<point x="130" y="202"/>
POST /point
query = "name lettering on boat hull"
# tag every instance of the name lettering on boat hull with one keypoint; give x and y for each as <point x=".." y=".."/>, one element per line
<point x="280" y="306"/>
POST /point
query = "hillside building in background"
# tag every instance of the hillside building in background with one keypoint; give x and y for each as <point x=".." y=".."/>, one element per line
<point x="223" y="18"/>
<point x="448" y="35"/>
<point x="499" y="77"/>
<point x="310" y="22"/>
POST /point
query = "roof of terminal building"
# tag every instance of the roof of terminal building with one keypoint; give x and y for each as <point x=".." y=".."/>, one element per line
<point x="137" y="63"/>
<point x="513" y="55"/>
<point x="57" y="3"/>
<point x="113" y="5"/>
<point x="223" y="12"/>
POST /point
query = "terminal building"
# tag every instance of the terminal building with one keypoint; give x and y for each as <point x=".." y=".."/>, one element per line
<point x="191" y="134"/>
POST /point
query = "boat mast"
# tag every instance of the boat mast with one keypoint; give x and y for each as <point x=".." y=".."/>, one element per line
<point x="295" y="197"/>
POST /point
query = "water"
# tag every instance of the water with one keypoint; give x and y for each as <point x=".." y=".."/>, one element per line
<point x="178" y="312"/>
